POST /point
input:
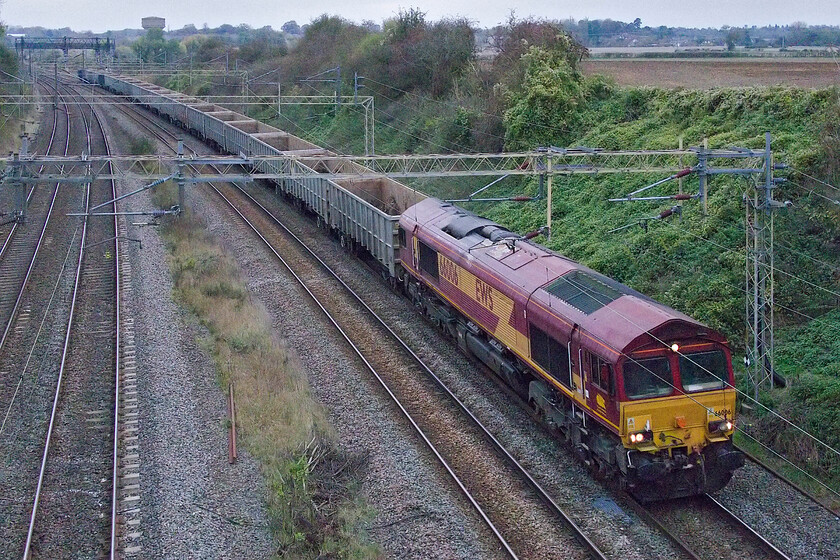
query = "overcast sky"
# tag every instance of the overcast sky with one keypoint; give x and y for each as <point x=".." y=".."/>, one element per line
<point x="101" y="15"/>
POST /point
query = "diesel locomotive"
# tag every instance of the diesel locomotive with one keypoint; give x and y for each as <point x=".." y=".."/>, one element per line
<point x="643" y="393"/>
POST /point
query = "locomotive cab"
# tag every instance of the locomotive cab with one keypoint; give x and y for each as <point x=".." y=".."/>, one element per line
<point x="677" y="406"/>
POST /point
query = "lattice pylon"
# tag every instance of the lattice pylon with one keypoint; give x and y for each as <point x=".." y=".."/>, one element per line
<point x="759" y="285"/>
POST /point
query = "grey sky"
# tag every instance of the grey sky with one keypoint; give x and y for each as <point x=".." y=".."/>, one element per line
<point x="101" y="15"/>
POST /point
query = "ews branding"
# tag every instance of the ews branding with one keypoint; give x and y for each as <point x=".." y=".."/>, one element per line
<point x="499" y="321"/>
<point x="484" y="294"/>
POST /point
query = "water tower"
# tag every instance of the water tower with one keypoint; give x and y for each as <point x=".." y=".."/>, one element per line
<point x="153" y="22"/>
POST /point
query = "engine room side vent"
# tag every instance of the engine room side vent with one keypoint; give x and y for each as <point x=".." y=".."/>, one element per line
<point x="583" y="291"/>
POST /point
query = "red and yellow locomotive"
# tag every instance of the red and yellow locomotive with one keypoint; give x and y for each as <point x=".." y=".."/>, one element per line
<point x="643" y="392"/>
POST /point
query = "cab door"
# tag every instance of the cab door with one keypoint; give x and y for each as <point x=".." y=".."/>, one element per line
<point x="601" y="387"/>
<point x="576" y="366"/>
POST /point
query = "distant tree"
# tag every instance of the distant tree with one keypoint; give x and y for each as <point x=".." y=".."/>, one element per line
<point x="153" y="47"/>
<point x="420" y="55"/>
<point x="209" y="48"/>
<point x="545" y="108"/>
<point x="730" y="41"/>
<point x="405" y="24"/>
<point x="291" y="27"/>
<point x="371" y="26"/>
<point x="8" y="59"/>
<point x="513" y="40"/>
<point x="593" y="31"/>
<point x="735" y="36"/>
<point x="327" y="42"/>
<point x="263" y="44"/>
<point x="637" y="24"/>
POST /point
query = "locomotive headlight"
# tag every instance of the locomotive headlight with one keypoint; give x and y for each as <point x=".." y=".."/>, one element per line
<point x="641" y="436"/>
<point x="721" y="426"/>
<point x="675" y="347"/>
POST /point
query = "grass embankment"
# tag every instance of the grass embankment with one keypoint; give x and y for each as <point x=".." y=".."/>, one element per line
<point x="312" y="487"/>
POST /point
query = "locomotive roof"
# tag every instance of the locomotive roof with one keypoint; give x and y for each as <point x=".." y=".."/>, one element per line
<point x="609" y="310"/>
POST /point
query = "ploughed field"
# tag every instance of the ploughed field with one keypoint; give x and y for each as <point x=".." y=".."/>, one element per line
<point x="718" y="72"/>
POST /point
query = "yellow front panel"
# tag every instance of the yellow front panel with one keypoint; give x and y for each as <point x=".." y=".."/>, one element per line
<point x="664" y="416"/>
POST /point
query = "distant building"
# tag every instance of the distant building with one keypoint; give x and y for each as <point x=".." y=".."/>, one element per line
<point x="154" y="23"/>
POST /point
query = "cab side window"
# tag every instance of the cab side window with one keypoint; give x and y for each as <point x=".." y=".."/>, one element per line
<point x="428" y="260"/>
<point x="601" y="373"/>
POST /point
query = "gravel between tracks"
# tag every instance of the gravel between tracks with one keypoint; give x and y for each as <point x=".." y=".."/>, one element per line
<point x="418" y="513"/>
<point x="792" y="522"/>
<point x="193" y="503"/>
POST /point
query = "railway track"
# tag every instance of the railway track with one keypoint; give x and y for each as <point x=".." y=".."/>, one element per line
<point x="22" y="242"/>
<point x="708" y="530"/>
<point x="8" y="222"/>
<point x="74" y="506"/>
<point x="33" y="326"/>
<point x="781" y="478"/>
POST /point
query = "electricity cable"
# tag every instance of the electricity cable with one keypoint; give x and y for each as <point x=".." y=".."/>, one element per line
<point x="795" y="170"/>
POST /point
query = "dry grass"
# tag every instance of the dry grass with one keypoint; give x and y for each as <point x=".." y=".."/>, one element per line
<point x="311" y="484"/>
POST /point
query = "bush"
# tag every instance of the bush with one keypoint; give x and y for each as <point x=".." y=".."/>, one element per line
<point x="141" y="146"/>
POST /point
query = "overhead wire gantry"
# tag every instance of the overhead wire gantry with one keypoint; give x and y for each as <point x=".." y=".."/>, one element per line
<point x="547" y="163"/>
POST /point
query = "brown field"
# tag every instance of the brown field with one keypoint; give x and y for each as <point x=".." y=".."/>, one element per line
<point x="723" y="72"/>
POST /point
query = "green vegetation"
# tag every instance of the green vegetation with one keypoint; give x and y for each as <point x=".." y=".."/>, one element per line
<point x="532" y="93"/>
<point x="12" y="114"/>
<point x="312" y="486"/>
<point x="141" y="146"/>
<point x="154" y="48"/>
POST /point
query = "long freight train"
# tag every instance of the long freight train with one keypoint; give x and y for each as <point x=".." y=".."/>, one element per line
<point x="642" y="392"/>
